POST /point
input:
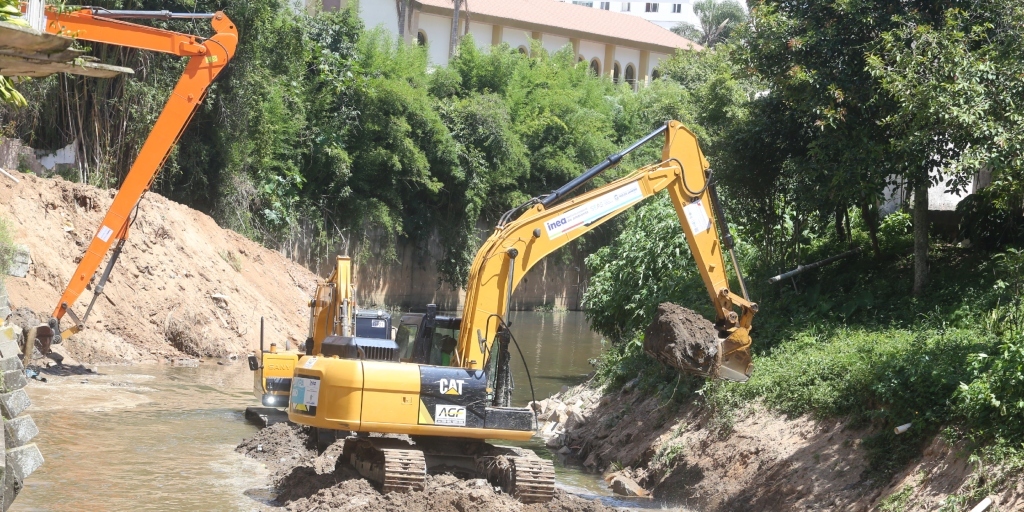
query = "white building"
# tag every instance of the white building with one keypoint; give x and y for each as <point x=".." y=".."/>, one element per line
<point x="666" y="13"/>
<point x="616" y="45"/>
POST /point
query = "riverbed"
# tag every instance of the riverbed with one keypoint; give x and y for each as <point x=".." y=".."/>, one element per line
<point x="162" y="438"/>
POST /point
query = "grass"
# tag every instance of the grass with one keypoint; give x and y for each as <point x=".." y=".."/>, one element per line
<point x="897" y="501"/>
<point x="850" y="342"/>
<point x="7" y="249"/>
<point x="232" y="259"/>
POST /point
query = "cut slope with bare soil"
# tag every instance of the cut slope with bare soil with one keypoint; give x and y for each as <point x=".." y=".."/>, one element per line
<point x="754" y="459"/>
<point x="183" y="285"/>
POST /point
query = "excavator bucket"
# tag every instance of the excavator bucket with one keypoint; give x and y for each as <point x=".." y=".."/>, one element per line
<point x="685" y="340"/>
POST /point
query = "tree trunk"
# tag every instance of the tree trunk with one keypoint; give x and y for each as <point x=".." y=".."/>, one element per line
<point x="870" y="216"/>
<point x="840" y="234"/>
<point x="401" y="5"/>
<point x="920" y="238"/>
<point x="453" y="42"/>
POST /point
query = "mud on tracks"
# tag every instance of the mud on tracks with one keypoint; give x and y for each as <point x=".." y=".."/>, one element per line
<point x="307" y="481"/>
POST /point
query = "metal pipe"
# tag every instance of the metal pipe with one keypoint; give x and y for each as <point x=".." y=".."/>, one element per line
<point x="103" y="279"/>
<point x="723" y="228"/>
<point x="609" y="162"/>
<point x="148" y="15"/>
<point x="512" y="254"/>
<point x="261" y="334"/>
<point x="811" y="266"/>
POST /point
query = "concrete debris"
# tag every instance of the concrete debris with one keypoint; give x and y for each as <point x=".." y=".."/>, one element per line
<point x="555" y="417"/>
<point x="625" y="486"/>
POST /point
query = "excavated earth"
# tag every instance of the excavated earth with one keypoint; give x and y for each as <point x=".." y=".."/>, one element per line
<point x="757" y="460"/>
<point x="307" y="481"/>
<point x="182" y="288"/>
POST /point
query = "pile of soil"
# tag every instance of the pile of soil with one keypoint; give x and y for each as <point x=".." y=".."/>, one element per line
<point x="683" y="339"/>
<point x="183" y="286"/>
<point x="753" y="459"/>
<point x="307" y="481"/>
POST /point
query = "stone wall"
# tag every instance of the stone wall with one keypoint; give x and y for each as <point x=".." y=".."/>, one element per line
<point x="413" y="281"/>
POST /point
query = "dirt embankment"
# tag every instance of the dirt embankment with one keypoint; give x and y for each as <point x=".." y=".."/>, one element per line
<point x="758" y="460"/>
<point x="307" y="481"/>
<point x="183" y="287"/>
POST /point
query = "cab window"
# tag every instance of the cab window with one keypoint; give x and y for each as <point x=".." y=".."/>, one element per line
<point x="405" y="338"/>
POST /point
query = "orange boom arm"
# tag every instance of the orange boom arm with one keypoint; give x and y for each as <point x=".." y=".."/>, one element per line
<point x="207" y="58"/>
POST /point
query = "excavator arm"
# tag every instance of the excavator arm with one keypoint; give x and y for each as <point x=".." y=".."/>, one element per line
<point x="207" y="58"/>
<point x="551" y="222"/>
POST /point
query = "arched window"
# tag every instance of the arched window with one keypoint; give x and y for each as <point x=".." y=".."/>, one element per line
<point x="581" y="59"/>
<point x="524" y="50"/>
<point x="655" y="74"/>
<point x="630" y="75"/>
<point x="595" y="66"/>
<point x="616" y="73"/>
<point x="421" y="38"/>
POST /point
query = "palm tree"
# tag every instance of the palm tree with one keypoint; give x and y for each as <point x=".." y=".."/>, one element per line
<point x="717" y="21"/>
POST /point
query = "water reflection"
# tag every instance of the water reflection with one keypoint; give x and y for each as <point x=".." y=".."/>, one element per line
<point x="558" y="348"/>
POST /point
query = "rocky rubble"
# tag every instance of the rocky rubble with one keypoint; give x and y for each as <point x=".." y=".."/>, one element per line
<point x="568" y="411"/>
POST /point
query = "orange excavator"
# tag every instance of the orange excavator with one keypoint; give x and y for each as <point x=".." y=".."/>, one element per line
<point x="207" y="58"/>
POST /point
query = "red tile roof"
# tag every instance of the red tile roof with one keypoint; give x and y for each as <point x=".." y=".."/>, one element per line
<point x="566" y="17"/>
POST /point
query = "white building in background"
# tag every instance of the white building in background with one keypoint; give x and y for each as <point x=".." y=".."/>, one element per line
<point x="666" y="14"/>
<point x="615" y="44"/>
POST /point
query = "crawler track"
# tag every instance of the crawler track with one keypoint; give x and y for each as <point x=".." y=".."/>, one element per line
<point x="404" y="470"/>
<point x="532" y="480"/>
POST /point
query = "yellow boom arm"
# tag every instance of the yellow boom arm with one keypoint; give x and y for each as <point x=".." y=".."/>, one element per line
<point x="517" y="246"/>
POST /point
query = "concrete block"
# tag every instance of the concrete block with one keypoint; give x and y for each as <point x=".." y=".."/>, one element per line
<point x="21" y="261"/>
<point x="14" y="403"/>
<point x="24" y="460"/>
<point x="20" y="431"/>
<point x="13" y="379"/>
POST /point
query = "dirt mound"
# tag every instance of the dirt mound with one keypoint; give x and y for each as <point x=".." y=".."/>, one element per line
<point x="443" y="493"/>
<point x="183" y="285"/>
<point x="307" y="481"/>
<point x="278" y="446"/>
<point x="683" y="339"/>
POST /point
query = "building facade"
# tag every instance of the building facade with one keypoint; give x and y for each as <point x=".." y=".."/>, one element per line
<point x="614" y="44"/>
<point x="666" y="14"/>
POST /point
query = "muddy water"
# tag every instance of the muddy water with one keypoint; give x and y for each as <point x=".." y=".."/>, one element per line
<point x="162" y="438"/>
<point x="144" y="438"/>
<point x="557" y="347"/>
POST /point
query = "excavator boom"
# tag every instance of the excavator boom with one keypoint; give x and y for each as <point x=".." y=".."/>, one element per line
<point x="552" y="222"/>
<point x="207" y="58"/>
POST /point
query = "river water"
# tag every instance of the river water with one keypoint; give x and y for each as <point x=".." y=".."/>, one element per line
<point x="162" y="438"/>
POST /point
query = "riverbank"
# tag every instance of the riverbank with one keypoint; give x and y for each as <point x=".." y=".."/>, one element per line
<point x="749" y="458"/>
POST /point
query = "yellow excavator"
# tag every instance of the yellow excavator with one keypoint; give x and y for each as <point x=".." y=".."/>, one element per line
<point x="334" y="302"/>
<point x="444" y="382"/>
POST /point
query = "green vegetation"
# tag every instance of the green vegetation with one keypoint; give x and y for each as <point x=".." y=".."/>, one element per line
<point x="849" y="103"/>
<point x="808" y="112"/>
<point x="7" y="249"/>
